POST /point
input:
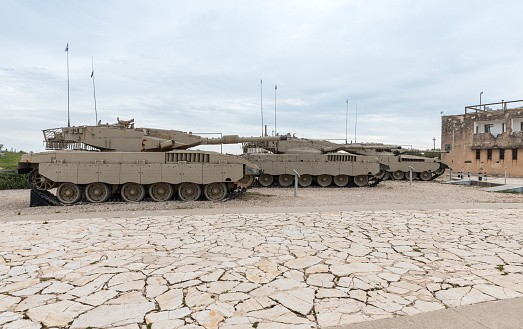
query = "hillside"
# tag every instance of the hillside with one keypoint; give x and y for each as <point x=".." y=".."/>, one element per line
<point x="9" y="160"/>
<point x="9" y="178"/>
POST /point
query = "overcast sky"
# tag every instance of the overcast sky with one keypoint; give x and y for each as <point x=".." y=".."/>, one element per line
<point x="196" y="65"/>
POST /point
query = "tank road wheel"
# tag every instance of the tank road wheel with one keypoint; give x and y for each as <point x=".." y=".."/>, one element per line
<point x="324" y="180"/>
<point x="439" y="171"/>
<point x="285" y="180"/>
<point x="97" y="192"/>
<point x="341" y="180"/>
<point x="398" y="175"/>
<point x="265" y="180"/>
<point x="425" y="175"/>
<point x="361" y="180"/>
<point x="189" y="191"/>
<point x="40" y="182"/>
<point x="305" y="180"/>
<point x="133" y="192"/>
<point x="215" y="191"/>
<point x="246" y="181"/>
<point x="68" y="193"/>
<point x="161" y="191"/>
<point x="381" y="174"/>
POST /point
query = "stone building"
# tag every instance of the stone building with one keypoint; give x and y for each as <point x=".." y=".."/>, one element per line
<point x="484" y="140"/>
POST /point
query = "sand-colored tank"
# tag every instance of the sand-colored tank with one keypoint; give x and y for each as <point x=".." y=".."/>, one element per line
<point x="315" y="165"/>
<point x="395" y="162"/>
<point x="95" y="163"/>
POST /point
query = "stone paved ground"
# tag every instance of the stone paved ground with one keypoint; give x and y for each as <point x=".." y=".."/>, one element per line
<point x="230" y="271"/>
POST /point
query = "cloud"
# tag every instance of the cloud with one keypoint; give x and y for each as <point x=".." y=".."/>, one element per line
<point x="195" y="66"/>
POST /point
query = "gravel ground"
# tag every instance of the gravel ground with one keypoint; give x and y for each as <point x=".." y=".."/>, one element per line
<point x="14" y="203"/>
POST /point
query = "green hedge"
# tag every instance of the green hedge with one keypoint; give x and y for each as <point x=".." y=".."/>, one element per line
<point x="11" y="180"/>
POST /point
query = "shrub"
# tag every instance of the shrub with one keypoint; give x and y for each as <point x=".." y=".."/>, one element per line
<point x="11" y="180"/>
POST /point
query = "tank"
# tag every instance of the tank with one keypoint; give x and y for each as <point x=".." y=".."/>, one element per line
<point x="394" y="159"/>
<point x="315" y="163"/>
<point x="119" y="161"/>
<point x="399" y="161"/>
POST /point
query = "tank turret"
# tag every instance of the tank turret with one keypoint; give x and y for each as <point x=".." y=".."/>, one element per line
<point x="124" y="137"/>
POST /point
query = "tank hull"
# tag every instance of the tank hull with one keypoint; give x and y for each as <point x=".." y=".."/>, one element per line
<point x="176" y="171"/>
<point x="339" y="169"/>
<point x="422" y="167"/>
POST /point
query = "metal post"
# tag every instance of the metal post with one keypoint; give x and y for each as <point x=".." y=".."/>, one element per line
<point x="410" y="174"/>
<point x="450" y="175"/>
<point x="470" y="173"/>
<point x="296" y="176"/>
<point x="505" y="175"/>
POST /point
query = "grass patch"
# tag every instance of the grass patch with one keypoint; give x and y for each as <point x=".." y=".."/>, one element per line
<point x="9" y="178"/>
<point x="9" y="161"/>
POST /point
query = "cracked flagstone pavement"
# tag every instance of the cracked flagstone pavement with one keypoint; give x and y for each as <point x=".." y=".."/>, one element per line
<point x="231" y="271"/>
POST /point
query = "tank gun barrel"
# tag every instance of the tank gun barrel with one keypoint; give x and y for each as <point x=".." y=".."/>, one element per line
<point x="371" y="147"/>
<point x="235" y="139"/>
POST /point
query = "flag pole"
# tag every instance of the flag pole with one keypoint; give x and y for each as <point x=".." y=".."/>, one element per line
<point x="275" y="88"/>
<point x="94" y="91"/>
<point x="346" y="121"/>
<point x="68" y="119"/>
<point x="261" y="103"/>
<point x="355" y="122"/>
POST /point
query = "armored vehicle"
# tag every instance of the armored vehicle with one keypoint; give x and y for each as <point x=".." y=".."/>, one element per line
<point x="395" y="162"/>
<point x="399" y="160"/>
<point x="97" y="162"/>
<point x="314" y="163"/>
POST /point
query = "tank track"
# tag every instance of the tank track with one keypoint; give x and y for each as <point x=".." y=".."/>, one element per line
<point x="375" y="181"/>
<point x="404" y="178"/>
<point x="234" y="194"/>
<point x="47" y="196"/>
<point x="436" y="176"/>
<point x="372" y="183"/>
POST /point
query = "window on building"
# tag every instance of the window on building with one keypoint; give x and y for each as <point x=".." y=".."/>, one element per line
<point x="489" y="154"/>
<point x="447" y="147"/>
<point x="488" y="127"/>
<point x="478" y="154"/>
<point x="514" y="154"/>
<point x="477" y="129"/>
<point x="502" y="154"/>
<point x="503" y="127"/>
